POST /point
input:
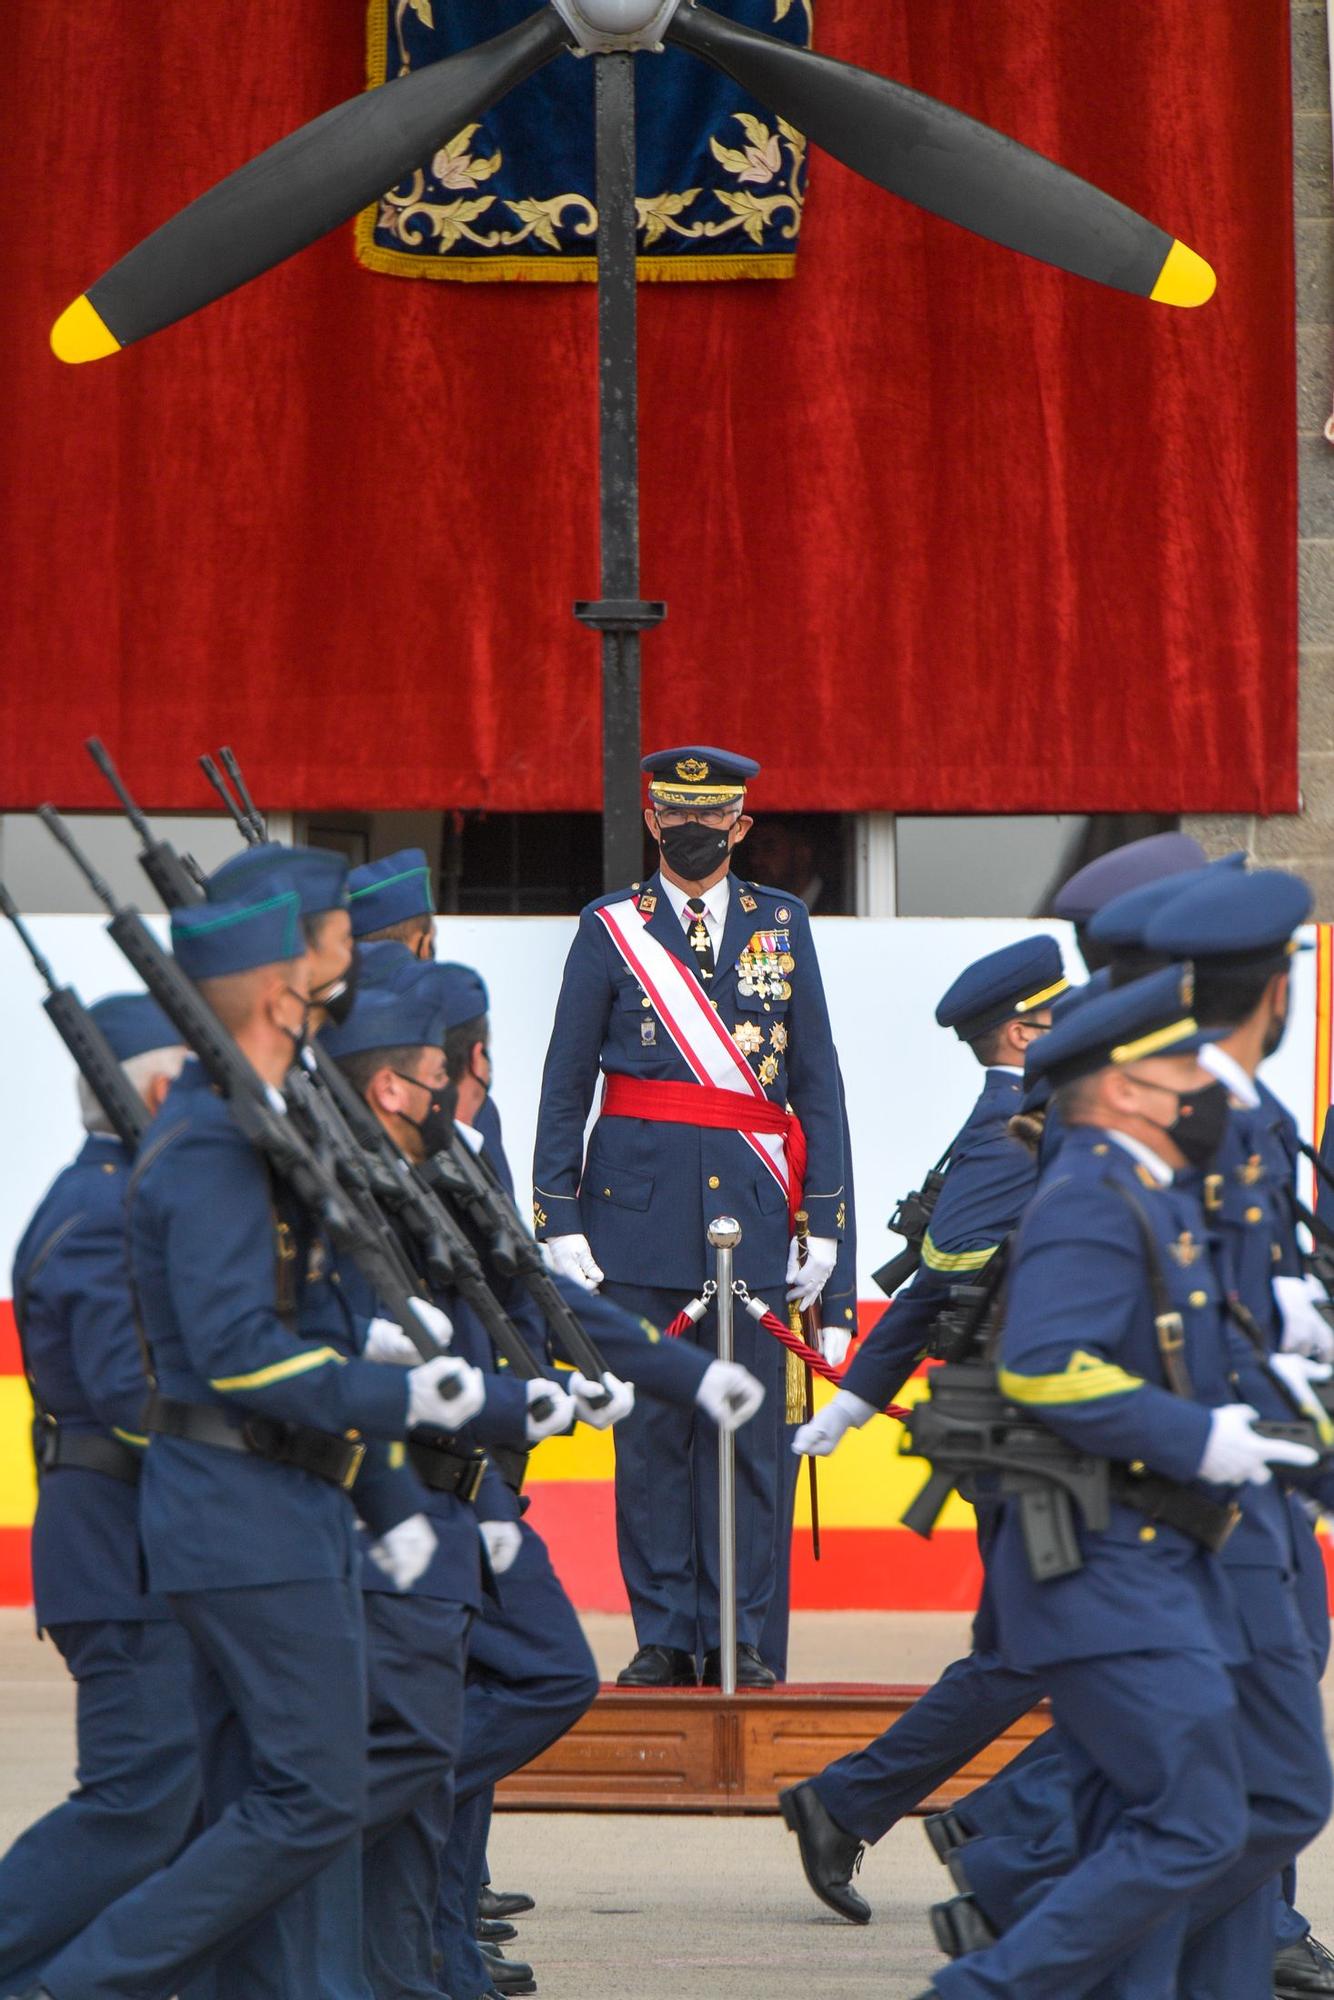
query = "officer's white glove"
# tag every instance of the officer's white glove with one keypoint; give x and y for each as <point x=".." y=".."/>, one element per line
<point x="1236" y="1455"/>
<point x="572" y="1257"/>
<point x="819" y="1437"/>
<point x="1297" y="1372"/>
<point x="559" y="1417"/>
<point x="405" y="1552"/>
<point x="503" y="1541"/>
<point x="805" y="1282"/>
<point x="387" y="1342"/>
<point x="446" y="1392"/>
<point x="1304" y="1331"/>
<point x="834" y="1344"/>
<point x="601" y="1403"/>
<point x="729" y="1394"/>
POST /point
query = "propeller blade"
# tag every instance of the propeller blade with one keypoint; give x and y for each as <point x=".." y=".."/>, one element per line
<point x="298" y="190"/>
<point x="949" y="164"/>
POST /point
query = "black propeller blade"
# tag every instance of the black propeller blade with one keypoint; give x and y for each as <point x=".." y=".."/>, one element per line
<point x="949" y="164"/>
<point x="299" y="190"/>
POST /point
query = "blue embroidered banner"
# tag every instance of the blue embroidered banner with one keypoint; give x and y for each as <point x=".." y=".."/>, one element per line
<point x="721" y="180"/>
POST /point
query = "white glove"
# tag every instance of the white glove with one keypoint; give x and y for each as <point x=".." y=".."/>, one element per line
<point x="1296" y="1372"/>
<point x="559" y="1417"/>
<point x="503" y="1541"/>
<point x="805" y="1282"/>
<point x="1235" y="1455"/>
<point x="616" y="1399"/>
<point x="819" y="1437"/>
<point x="405" y="1552"/>
<point x="1304" y="1331"/>
<point x="446" y="1392"/>
<point x="834" y="1344"/>
<point x="729" y="1394"/>
<point x="387" y="1342"/>
<point x="571" y="1257"/>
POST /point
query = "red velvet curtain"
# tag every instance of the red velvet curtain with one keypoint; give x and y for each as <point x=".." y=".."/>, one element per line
<point x="940" y="530"/>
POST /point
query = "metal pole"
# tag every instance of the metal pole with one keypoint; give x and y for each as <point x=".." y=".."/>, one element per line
<point x="620" y="615"/>
<point x="724" y="1235"/>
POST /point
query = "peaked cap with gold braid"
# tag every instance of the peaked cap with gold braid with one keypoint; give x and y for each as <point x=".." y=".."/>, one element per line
<point x="698" y="775"/>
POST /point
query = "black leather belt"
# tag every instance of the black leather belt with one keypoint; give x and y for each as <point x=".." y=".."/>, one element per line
<point x="85" y="1451"/>
<point x="335" y="1459"/>
<point x="511" y="1465"/>
<point x="1206" y="1521"/>
<point x="444" y="1470"/>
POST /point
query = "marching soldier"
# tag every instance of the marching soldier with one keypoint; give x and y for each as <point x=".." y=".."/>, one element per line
<point x="695" y="1001"/>
<point x="138" y="1764"/>
<point x="1111" y="875"/>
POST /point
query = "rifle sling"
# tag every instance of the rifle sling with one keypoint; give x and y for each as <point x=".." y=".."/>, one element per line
<point x="1167" y="1321"/>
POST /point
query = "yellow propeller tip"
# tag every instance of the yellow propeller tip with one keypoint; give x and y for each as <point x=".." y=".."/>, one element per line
<point x="1185" y="279"/>
<point x="80" y="334"/>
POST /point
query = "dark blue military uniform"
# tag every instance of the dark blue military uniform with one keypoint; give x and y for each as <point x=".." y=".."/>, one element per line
<point x="644" y="1199"/>
<point x="138" y="1768"/>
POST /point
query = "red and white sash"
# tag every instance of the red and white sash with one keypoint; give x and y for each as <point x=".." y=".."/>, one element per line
<point x="711" y="1055"/>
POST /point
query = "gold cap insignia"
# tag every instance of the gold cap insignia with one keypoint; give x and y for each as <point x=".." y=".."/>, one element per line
<point x="692" y="771"/>
<point x="1185" y="1249"/>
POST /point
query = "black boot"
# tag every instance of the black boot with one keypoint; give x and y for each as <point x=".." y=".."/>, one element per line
<point x="495" y="1930"/>
<point x="960" y="1927"/>
<point x="659" y="1667"/>
<point x="828" y="1855"/>
<point x="503" y="1902"/>
<point x="944" y="1832"/>
<point x="507" y="1975"/>
<point x="1303" y="1971"/>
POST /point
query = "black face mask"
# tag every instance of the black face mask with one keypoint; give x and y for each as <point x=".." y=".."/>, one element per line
<point x="693" y="851"/>
<point x="1200" y="1123"/>
<point x="1275" y="1032"/>
<point x="339" y="1001"/>
<point x="437" y="1126"/>
<point x="300" y="1037"/>
<point x="483" y="1082"/>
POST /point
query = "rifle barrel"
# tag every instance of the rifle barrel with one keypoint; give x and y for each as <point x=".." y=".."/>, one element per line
<point x="101" y="756"/>
<point x="9" y="908"/>
<point x="58" y="830"/>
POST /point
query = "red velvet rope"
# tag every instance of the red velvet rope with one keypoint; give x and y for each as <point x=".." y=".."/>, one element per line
<point x="795" y="1345"/>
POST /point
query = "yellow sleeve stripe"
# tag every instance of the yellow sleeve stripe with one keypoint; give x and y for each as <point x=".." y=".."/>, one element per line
<point x="280" y="1371"/>
<point x="954" y="1260"/>
<point x="398" y="1457"/>
<point x="130" y="1437"/>
<point x="1086" y="1378"/>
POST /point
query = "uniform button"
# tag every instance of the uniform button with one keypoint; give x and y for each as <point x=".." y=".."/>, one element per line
<point x="607" y="1192"/>
<point x="646" y="1002"/>
<point x="714" y="1181"/>
<point x="1137" y="1467"/>
<point x="1255" y="1215"/>
<point x="1148" y="1534"/>
<point x="767" y="1008"/>
<point x="1199" y="1298"/>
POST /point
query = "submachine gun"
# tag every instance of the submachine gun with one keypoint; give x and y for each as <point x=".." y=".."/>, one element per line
<point x="911" y="1220"/>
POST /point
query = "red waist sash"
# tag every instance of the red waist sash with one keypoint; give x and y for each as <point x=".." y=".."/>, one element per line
<point x="720" y="1110"/>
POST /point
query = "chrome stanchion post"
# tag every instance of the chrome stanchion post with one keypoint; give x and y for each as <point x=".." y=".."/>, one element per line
<point x="724" y="1235"/>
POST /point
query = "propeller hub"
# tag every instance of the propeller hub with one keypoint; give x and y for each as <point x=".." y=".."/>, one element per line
<point x="599" y="25"/>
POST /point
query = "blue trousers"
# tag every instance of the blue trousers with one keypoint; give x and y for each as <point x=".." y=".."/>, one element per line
<point x="416" y="1649"/>
<point x="267" y="1899"/>
<point x="778" y="1618"/>
<point x="530" y="1678"/>
<point x="667" y="1491"/>
<point x="137" y="1791"/>
<point x="992" y="1806"/>
<point x="1160" y="1814"/>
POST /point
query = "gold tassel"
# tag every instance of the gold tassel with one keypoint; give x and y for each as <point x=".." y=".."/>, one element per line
<point x="794" y="1411"/>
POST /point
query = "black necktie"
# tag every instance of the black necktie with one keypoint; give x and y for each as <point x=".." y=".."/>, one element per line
<point x="700" y="941"/>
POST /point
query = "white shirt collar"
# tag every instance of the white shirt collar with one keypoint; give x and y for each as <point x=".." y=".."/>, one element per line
<point x="1229" y="1071"/>
<point x="470" y="1136"/>
<point x="1004" y="1069"/>
<point x="1146" y="1156"/>
<point x="716" y="902"/>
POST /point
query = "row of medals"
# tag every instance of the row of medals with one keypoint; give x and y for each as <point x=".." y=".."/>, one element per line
<point x="763" y="974"/>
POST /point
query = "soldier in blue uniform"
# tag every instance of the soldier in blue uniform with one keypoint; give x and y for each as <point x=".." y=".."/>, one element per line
<point x="138" y="1766"/>
<point x="247" y="1523"/>
<point x="998" y="1007"/>
<point x="695" y="1001"/>
<point x="1099" y="882"/>
<point x="1136" y="1646"/>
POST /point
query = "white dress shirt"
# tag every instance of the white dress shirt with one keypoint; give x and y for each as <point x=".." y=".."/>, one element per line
<point x="1146" y="1156"/>
<point x="715" y="900"/>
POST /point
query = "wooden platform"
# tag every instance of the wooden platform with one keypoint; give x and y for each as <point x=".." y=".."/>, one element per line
<point x="693" y="1750"/>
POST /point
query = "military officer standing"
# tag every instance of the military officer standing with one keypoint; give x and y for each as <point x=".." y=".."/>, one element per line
<point x="695" y="1000"/>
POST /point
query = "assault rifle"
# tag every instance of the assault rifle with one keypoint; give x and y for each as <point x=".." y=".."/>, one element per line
<point x="96" y="1060"/>
<point x="911" y="1220"/>
<point x="258" y="1108"/>
<point x="177" y="878"/>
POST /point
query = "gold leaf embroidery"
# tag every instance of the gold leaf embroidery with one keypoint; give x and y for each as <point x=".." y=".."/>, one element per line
<point x="655" y="211"/>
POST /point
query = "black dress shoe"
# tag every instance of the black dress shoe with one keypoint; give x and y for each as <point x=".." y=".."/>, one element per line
<point x="944" y="1832"/>
<point x="494" y="1930"/>
<point x="958" y="1867"/>
<point x="659" y="1667"/>
<point x="1303" y="1971"/>
<point x="751" y="1671"/>
<point x="503" y="1902"/>
<point x="960" y="1927"/>
<point x="828" y="1855"/>
<point x="507" y="1975"/>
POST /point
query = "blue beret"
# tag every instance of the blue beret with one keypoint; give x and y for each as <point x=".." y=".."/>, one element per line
<point x="406" y="1015"/>
<point x="390" y="891"/>
<point x="1151" y="1017"/>
<point x="317" y="874"/>
<point x="465" y="993"/>
<point x="1125" y="868"/>
<point x="697" y="774"/>
<point x="133" y="1024"/>
<point x="1004" y="984"/>
<point x="1229" y="921"/>
<point x="211" y="939"/>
